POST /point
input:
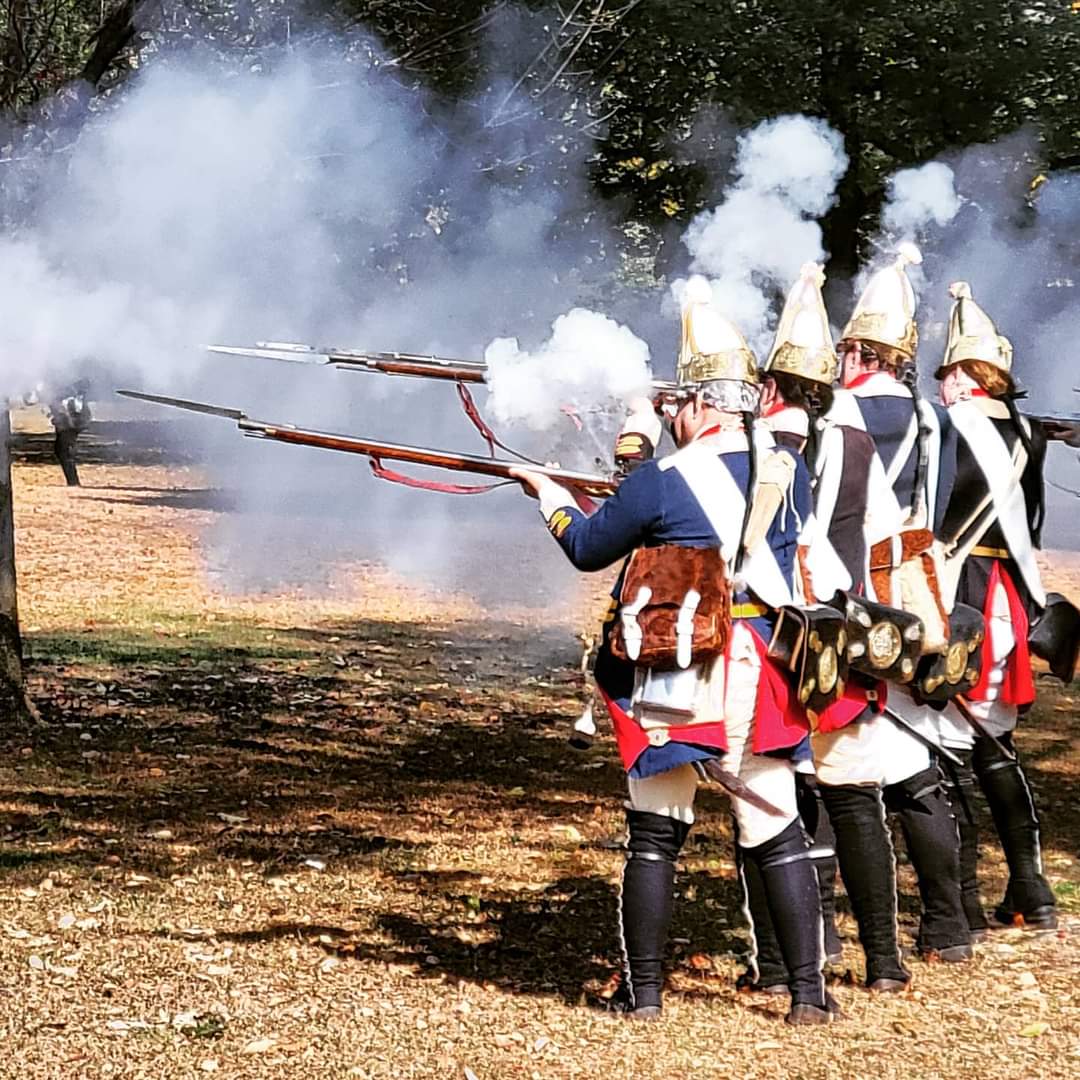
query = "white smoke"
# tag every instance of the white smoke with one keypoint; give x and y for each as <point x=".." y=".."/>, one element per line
<point x="918" y="198"/>
<point x="1012" y="238"/>
<point x="588" y="360"/>
<point x="752" y="245"/>
<point x="308" y="197"/>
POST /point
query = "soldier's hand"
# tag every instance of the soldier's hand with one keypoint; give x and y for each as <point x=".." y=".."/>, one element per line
<point x="530" y="481"/>
<point x="1065" y="432"/>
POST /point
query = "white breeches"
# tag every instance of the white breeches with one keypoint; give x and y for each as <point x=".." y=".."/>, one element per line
<point x="672" y="793"/>
<point x="997" y="717"/>
<point x="876" y="750"/>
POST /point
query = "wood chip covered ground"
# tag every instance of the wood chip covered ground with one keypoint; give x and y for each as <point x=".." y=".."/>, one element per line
<point x="299" y="836"/>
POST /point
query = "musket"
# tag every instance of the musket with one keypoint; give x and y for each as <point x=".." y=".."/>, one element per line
<point x="1065" y="419"/>
<point x="416" y="365"/>
<point x="386" y="363"/>
<point x="585" y="483"/>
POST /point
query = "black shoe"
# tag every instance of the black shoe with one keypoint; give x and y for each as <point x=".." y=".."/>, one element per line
<point x="887" y="986"/>
<point x="746" y="984"/>
<point x="806" y="1015"/>
<point x="644" y="1014"/>
<point x="1040" y="918"/>
<point x="622" y="1003"/>
<point x="951" y="954"/>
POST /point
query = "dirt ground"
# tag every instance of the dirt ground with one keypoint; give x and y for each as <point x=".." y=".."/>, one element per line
<point x="299" y="836"/>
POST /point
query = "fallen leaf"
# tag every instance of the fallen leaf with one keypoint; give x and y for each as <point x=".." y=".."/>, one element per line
<point x="1033" y="1031"/>
<point x="233" y="819"/>
<point x="66" y="922"/>
<point x="209" y="1065"/>
<point x="469" y="1074"/>
<point x="260" y="1046"/>
<point x="700" y="962"/>
<point x="768" y="1046"/>
<point x="1027" y="978"/>
<point x="37" y="963"/>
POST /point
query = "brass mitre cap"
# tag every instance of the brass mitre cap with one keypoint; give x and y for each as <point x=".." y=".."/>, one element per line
<point x="973" y="335"/>
<point x="803" y="344"/>
<point x="885" y="313"/>
<point x="712" y="348"/>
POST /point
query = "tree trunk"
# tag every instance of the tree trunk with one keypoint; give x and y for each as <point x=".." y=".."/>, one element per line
<point x="10" y="640"/>
<point x="15" y="705"/>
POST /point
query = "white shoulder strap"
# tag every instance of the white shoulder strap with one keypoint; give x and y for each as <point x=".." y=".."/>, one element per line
<point x="1002" y="472"/>
<point x="724" y="505"/>
<point x="829" y="470"/>
<point x="903" y="451"/>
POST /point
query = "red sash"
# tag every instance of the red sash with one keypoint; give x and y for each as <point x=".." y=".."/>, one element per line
<point x="780" y="721"/>
<point x="848" y="707"/>
<point x="1018" y="687"/>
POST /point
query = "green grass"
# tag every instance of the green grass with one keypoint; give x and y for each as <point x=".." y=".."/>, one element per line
<point x="166" y="640"/>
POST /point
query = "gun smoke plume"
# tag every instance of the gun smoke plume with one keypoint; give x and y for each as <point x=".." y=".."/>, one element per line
<point x="753" y="243"/>
<point x="309" y="196"/>
<point x="313" y="199"/>
<point x="532" y="388"/>
<point x="985" y="215"/>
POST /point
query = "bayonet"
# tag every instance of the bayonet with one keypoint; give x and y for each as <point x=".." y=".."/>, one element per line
<point x="586" y="483"/>
<point x="182" y="403"/>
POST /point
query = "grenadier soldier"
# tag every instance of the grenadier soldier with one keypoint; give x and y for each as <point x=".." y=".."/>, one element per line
<point x="710" y="536"/>
<point x="991" y="531"/>
<point x="796" y="393"/>
<point x="848" y="482"/>
<point x="868" y="763"/>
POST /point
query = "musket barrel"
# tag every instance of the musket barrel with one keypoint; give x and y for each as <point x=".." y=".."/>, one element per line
<point x="588" y="483"/>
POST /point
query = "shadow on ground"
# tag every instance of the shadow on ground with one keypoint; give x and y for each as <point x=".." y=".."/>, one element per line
<point x="375" y="746"/>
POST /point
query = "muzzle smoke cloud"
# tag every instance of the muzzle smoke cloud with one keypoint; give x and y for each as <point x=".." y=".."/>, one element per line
<point x="313" y="198"/>
<point x="753" y="243"/>
<point x="589" y="359"/>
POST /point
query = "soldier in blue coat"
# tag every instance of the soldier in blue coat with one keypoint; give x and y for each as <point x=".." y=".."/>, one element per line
<point x="730" y="491"/>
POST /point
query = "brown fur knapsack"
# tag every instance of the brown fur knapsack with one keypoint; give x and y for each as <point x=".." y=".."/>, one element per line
<point x="661" y="583"/>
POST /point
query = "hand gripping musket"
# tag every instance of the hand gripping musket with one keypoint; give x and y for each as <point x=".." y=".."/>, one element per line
<point x="584" y="483"/>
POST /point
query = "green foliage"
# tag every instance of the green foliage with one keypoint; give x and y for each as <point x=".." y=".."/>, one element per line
<point x="43" y="43"/>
